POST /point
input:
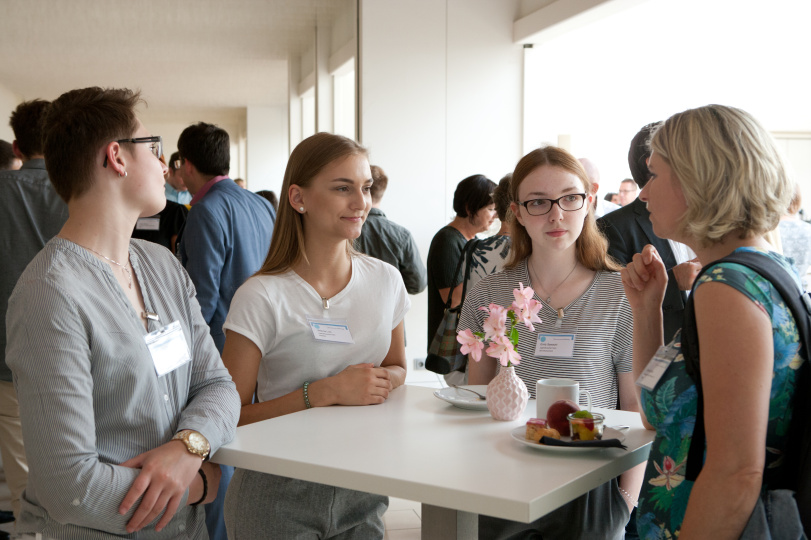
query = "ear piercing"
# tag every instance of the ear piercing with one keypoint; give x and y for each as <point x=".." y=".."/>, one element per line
<point x="301" y="209"/>
<point x="122" y="175"/>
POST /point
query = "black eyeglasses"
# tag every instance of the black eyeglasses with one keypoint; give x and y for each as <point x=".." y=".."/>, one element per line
<point x="156" y="148"/>
<point x="569" y="203"/>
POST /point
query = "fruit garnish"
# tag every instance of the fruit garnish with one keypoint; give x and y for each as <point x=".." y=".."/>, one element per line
<point x="583" y="414"/>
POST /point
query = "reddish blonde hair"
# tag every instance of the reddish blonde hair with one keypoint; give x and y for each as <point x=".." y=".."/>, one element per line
<point x="591" y="246"/>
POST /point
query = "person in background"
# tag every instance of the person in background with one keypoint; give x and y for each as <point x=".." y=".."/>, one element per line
<point x="8" y="159"/>
<point x="612" y="198"/>
<point x="116" y="427"/>
<point x="271" y="197"/>
<point x="280" y="367"/>
<point x="31" y="213"/>
<point x="601" y="206"/>
<point x="628" y="191"/>
<point x="392" y="243"/>
<point x="176" y="190"/>
<point x="795" y="236"/>
<point x="629" y="230"/>
<point x="163" y="228"/>
<point x="558" y="251"/>
<point x="226" y="236"/>
<point x="241" y="183"/>
<point x="718" y="183"/>
<point x="475" y="212"/>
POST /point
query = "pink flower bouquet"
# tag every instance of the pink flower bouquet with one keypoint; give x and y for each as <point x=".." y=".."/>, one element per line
<point x="502" y="343"/>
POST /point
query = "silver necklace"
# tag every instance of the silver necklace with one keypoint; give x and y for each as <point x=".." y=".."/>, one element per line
<point x="123" y="267"/>
<point x="549" y="296"/>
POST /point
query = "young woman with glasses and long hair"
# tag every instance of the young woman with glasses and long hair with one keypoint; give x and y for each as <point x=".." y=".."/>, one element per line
<point x="558" y="251"/>
<point x="279" y="363"/>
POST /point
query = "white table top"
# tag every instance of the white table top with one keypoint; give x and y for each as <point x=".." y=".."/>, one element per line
<point x="418" y="447"/>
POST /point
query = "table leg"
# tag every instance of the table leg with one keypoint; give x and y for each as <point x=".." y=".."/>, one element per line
<point x="440" y="523"/>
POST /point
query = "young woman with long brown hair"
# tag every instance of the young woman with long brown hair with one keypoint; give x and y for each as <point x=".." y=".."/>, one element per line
<point x="558" y="251"/>
<point x="277" y="354"/>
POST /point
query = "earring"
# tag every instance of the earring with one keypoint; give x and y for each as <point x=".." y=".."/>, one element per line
<point x="301" y="209"/>
<point x="124" y="175"/>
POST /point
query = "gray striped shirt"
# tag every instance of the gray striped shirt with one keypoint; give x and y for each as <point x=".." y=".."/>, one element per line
<point x="89" y="394"/>
<point x="601" y="318"/>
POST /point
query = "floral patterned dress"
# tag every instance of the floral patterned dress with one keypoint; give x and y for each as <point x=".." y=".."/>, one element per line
<point x="671" y="406"/>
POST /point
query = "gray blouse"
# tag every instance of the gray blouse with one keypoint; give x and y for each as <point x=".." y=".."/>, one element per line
<point x="90" y="397"/>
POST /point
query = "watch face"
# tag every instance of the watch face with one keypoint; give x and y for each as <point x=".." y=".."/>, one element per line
<point x="197" y="441"/>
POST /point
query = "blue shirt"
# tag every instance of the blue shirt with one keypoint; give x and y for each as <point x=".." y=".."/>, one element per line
<point x="225" y="241"/>
<point x="180" y="197"/>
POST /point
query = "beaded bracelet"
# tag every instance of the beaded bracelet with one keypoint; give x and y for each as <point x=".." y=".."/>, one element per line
<point x="628" y="497"/>
<point x="306" y="396"/>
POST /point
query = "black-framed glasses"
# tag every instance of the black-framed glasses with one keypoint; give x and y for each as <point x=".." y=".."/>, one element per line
<point x="156" y="148"/>
<point x="569" y="203"/>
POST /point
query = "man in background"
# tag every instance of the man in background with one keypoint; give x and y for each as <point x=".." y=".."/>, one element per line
<point x="8" y="160"/>
<point x="225" y="240"/>
<point x="390" y="242"/>
<point x="176" y="190"/>
<point x="31" y="213"/>
<point x="628" y="191"/>
<point x="601" y="206"/>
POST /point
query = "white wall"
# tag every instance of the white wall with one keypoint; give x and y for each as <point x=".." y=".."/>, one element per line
<point x="266" y="147"/>
<point x="8" y="102"/>
<point x="436" y="106"/>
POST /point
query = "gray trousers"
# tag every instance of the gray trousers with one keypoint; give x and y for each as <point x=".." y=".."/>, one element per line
<point x="266" y="506"/>
<point x="599" y="514"/>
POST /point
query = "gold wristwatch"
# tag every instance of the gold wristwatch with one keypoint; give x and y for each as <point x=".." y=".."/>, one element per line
<point x="195" y="442"/>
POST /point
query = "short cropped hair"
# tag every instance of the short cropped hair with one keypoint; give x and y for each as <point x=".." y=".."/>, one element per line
<point x="173" y="160"/>
<point x="78" y="124"/>
<point x="472" y="194"/>
<point x="26" y="123"/>
<point x="501" y="196"/>
<point x="731" y="172"/>
<point x="379" y="183"/>
<point x="207" y="147"/>
<point x="7" y="156"/>
<point x="638" y="154"/>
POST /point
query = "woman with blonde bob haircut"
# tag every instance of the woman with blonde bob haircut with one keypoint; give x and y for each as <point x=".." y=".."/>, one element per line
<point x="282" y="362"/>
<point x="718" y="184"/>
<point x="558" y="251"/>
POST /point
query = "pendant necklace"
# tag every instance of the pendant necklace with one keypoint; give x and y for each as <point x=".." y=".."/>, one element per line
<point x="325" y="302"/>
<point x="123" y="267"/>
<point x="560" y="311"/>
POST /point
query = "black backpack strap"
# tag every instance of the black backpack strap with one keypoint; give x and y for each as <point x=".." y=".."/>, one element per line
<point x="470" y="247"/>
<point x="796" y="300"/>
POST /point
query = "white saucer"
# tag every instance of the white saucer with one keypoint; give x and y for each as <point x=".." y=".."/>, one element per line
<point x="462" y="399"/>
<point x="519" y="434"/>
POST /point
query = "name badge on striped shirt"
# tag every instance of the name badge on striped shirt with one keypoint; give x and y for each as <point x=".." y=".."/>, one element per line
<point x="168" y="348"/>
<point x="555" y="345"/>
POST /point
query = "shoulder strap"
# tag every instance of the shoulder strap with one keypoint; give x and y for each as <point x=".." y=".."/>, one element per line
<point x="464" y="256"/>
<point x="796" y="300"/>
<point x="470" y="247"/>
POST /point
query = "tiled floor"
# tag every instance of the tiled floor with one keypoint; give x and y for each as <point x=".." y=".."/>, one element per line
<point x="403" y="520"/>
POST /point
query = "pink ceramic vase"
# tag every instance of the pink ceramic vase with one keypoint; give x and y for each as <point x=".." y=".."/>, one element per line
<point x="507" y="395"/>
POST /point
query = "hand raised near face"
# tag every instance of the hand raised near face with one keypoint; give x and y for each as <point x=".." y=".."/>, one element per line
<point x="645" y="279"/>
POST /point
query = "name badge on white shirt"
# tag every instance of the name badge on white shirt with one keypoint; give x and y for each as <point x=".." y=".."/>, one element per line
<point x="330" y="330"/>
<point x="148" y="224"/>
<point x="657" y="367"/>
<point x="555" y="345"/>
<point x="168" y="348"/>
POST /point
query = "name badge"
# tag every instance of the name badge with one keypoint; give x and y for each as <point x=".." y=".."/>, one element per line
<point x="555" y="345"/>
<point x="168" y="348"/>
<point x="148" y="224"/>
<point x="330" y="330"/>
<point x="657" y="367"/>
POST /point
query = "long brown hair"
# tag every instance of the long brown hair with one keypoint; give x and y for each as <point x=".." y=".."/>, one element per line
<point x="591" y="246"/>
<point x="307" y="160"/>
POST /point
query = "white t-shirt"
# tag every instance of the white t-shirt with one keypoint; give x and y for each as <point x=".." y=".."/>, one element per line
<point x="273" y="312"/>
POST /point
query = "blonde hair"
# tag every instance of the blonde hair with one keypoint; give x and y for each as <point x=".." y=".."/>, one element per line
<point x="591" y="246"/>
<point x="306" y="161"/>
<point x="730" y="171"/>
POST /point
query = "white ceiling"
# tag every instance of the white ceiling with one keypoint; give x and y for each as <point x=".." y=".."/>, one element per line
<point x="184" y="55"/>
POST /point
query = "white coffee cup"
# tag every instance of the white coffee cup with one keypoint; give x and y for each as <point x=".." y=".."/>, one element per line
<point x="548" y="391"/>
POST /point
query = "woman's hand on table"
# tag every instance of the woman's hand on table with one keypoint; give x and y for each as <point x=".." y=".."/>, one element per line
<point x="358" y="384"/>
<point x="645" y="280"/>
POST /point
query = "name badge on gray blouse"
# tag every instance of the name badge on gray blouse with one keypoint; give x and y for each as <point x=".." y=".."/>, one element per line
<point x="168" y="348"/>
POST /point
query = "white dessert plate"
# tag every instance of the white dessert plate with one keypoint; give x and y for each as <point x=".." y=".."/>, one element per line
<point x="463" y="399"/>
<point x="519" y="434"/>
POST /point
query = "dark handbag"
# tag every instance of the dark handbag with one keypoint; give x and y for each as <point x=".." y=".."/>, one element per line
<point x="784" y="505"/>
<point x="444" y="355"/>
